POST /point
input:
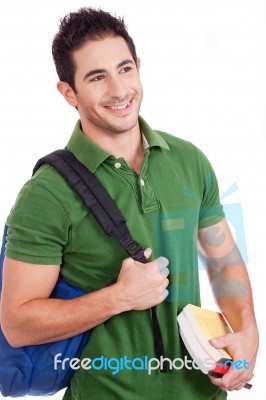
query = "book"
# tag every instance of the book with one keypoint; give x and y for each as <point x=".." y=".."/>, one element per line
<point x="206" y="325"/>
<point x="197" y="352"/>
<point x="197" y="326"/>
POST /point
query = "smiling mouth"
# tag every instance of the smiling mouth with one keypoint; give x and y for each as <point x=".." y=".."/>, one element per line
<point x="121" y="107"/>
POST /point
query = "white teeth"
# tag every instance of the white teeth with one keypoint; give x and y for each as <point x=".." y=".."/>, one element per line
<point x="120" y="107"/>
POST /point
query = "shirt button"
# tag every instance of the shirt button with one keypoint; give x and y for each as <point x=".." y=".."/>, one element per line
<point x="142" y="182"/>
<point x="117" y="165"/>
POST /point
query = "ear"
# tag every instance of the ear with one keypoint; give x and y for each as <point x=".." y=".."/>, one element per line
<point x="68" y="93"/>
<point x="138" y="63"/>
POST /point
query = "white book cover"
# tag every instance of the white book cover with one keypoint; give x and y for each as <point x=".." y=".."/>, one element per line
<point x="197" y="352"/>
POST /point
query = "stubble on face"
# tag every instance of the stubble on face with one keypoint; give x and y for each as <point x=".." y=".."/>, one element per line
<point x="112" y="127"/>
<point x="106" y="108"/>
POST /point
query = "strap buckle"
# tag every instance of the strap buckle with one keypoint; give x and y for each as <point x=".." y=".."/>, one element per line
<point x="134" y="249"/>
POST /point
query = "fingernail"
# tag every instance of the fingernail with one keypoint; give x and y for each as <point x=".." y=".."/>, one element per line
<point x="162" y="262"/>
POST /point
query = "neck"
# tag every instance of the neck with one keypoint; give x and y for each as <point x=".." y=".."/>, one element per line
<point x="127" y="145"/>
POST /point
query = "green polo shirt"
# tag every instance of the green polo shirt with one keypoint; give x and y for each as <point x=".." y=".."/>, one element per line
<point x="175" y="193"/>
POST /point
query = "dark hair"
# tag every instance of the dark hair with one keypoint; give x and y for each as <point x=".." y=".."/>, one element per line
<point x="75" y="29"/>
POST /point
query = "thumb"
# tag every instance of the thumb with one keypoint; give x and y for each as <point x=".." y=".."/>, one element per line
<point x="220" y="342"/>
<point x="147" y="253"/>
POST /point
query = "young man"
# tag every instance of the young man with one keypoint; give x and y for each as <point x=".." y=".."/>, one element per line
<point x="150" y="175"/>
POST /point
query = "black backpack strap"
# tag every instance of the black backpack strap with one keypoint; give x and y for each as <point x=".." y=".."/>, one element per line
<point x="106" y="212"/>
<point x="95" y="198"/>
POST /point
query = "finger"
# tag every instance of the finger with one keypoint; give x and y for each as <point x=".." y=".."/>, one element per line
<point x="235" y="379"/>
<point x="164" y="271"/>
<point x="240" y="383"/>
<point x="245" y="383"/>
<point x="232" y="379"/>
<point x="218" y="382"/>
<point x="217" y="343"/>
<point x="164" y="284"/>
<point x="166" y="292"/>
<point x="162" y="263"/>
<point x="147" y="252"/>
<point x="239" y="387"/>
<point x="221" y="341"/>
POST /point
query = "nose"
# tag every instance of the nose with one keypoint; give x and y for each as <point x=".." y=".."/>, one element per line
<point x="116" y="87"/>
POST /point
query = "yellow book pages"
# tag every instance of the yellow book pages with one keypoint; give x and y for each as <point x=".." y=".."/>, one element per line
<point x="211" y="323"/>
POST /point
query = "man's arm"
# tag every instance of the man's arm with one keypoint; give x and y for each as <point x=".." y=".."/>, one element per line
<point x="29" y="316"/>
<point x="231" y="287"/>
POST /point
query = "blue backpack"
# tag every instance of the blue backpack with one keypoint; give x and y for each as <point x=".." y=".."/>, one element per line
<point x="30" y="369"/>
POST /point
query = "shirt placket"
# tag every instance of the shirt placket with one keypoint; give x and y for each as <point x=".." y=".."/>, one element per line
<point x="144" y="191"/>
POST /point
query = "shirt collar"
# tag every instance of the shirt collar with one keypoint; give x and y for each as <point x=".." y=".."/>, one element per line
<point x="152" y="137"/>
<point x="88" y="152"/>
<point x="91" y="155"/>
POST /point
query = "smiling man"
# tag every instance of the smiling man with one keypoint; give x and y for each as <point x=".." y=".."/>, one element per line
<point x="150" y="175"/>
<point x="108" y="93"/>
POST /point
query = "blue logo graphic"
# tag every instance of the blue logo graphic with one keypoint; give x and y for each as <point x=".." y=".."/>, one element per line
<point x="176" y="234"/>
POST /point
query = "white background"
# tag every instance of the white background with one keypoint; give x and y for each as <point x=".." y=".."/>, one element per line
<point x="204" y="77"/>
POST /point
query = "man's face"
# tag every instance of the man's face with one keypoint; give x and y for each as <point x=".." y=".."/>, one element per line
<point x="108" y="86"/>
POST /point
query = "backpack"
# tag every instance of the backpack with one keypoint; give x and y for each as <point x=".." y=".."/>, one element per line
<point x="29" y="370"/>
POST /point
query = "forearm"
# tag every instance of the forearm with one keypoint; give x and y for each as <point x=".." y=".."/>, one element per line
<point x="228" y="275"/>
<point x="232" y="290"/>
<point x="237" y="307"/>
<point x="47" y="320"/>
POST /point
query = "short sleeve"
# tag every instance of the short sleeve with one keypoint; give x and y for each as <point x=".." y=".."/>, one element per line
<point x="211" y="209"/>
<point x="38" y="226"/>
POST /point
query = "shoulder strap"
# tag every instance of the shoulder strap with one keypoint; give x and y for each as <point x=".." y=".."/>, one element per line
<point x="95" y="198"/>
<point x="106" y="212"/>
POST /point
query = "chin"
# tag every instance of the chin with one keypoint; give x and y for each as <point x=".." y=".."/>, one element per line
<point x="123" y="128"/>
<point x="122" y="124"/>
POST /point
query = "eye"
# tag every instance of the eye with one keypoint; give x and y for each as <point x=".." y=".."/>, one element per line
<point x="97" y="78"/>
<point x="126" y="69"/>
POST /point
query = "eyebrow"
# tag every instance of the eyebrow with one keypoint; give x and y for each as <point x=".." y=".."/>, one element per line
<point x="124" y="62"/>
<point x="102" y="71"/>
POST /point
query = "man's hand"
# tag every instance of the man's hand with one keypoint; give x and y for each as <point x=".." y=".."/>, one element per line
<point x="242" y="345"/>
<point x="142" y="286"/>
